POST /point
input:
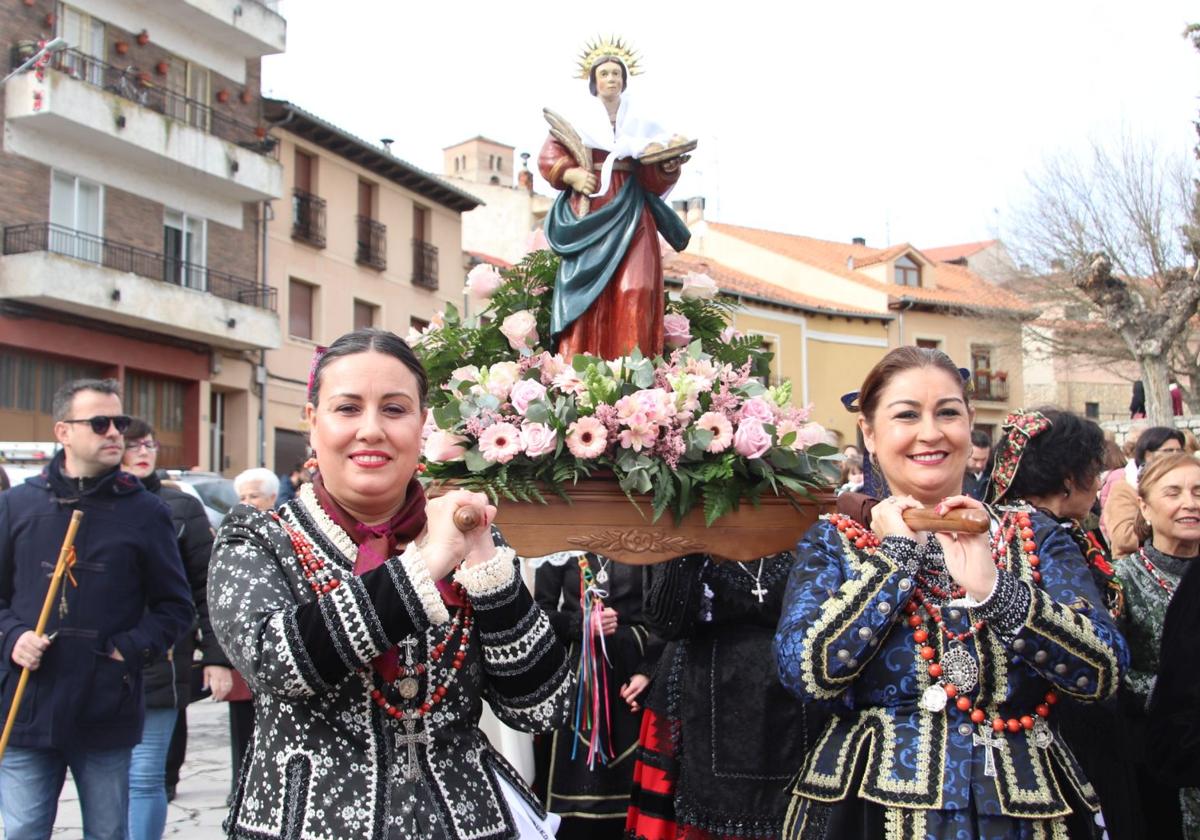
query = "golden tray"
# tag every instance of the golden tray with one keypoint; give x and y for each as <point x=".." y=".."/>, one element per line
<point x="601" y="519"/>
<point x="669" y="153"/>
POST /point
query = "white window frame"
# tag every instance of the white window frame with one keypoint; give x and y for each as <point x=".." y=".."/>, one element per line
<point x="197" y="277"/>
<point x="96" y="49"/>
<point x="70" y="244"/>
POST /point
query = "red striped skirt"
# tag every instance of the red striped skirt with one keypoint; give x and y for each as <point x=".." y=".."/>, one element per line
<point x="655" y="775"/>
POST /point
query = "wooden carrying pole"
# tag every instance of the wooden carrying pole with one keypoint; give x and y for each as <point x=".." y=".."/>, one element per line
<point x="60" y="569"/>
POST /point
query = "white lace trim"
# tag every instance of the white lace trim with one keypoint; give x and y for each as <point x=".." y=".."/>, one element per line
<point x="490" y="577"/>
<point x="422" y="582"/>
<point x="332" y="531"/>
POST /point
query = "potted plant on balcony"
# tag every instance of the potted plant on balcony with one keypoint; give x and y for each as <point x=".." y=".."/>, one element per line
<point x="1001" y="375"/>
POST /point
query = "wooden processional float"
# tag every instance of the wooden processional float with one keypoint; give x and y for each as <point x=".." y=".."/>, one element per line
<point x="600" y="519"/>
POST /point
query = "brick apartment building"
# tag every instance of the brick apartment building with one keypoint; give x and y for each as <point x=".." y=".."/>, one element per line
<point x="136" y="169"/>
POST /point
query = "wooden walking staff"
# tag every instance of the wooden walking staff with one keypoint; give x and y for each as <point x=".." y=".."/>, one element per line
<point x="66" y="559"/>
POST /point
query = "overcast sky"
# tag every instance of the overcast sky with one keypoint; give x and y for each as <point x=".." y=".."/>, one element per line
<point x="897" y="121"/>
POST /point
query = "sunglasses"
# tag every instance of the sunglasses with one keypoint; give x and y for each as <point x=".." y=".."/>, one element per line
<point x="100" y="422"/>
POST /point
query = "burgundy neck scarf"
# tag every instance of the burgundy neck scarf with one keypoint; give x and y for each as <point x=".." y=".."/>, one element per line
<point x="376" y="543"/>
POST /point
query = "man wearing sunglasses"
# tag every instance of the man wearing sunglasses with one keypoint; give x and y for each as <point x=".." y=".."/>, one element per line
<point x="130" y="601"/>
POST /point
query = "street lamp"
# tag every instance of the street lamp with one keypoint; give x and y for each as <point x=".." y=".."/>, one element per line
<point x="57" y="45"/>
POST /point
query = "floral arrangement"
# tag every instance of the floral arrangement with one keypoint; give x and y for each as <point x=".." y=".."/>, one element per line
<point x="695" y="426"/>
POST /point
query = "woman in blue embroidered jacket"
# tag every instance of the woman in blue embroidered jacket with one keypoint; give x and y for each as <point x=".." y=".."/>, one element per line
<point x="942" y="655"/>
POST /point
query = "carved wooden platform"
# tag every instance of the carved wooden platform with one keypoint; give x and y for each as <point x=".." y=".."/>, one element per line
<point x="601" y="519"/>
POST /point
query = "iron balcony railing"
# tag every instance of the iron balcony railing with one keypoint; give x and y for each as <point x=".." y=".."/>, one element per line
<point x="987" y="386"/>
<point x="134" y="84"/>
<point x="425" y="265"/>
<point x="372" y="243"/>
<point x="56" y="239"/>
<point x="308" y="218"/>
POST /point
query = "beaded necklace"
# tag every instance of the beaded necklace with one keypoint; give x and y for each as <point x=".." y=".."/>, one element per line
<point x="322" y="583"/>
<point x="1166" y="585"/>
<point x="956" y="673"/>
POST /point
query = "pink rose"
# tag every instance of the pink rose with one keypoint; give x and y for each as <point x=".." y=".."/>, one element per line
<point x="810" y="434"/>
<point x="538" y="439"/>
<point x="525" y="392"/>
<point x="698" y="286"/>
<point x="729" y="334"/>
<point x="500" y="443"/>
<point x="751" y="439"/>
<point x="757" y="408"/>
<point x="677" y="330"/>
<point x="500" y="379"/>
<point x="483" y="280"/>
<point x="444" y="446"/>
<point x="520" y="328"/>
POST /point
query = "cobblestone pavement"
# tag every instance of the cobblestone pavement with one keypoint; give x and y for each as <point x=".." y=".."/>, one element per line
<point x="199" y="805"/>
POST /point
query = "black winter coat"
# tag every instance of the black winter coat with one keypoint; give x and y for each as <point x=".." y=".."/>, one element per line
<point x="168" y="680"/>
<point x="131" y="596"/>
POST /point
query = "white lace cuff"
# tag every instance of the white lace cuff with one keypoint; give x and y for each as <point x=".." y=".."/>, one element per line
<point x="490" y="577"/>
<point x="423" y="585"/>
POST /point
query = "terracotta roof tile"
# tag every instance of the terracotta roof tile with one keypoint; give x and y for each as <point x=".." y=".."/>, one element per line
<point x="955" y="286"/>
<point x="736" y="282"/>
<point x="946" y="253"/>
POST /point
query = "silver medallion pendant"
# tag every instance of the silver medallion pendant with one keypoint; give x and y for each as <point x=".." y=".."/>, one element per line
<point x="408" y="688"/>
<point x="1041" y="735"/>
<point x="960" y="668"/>
<point x="602" y="576"/>
<point x="934" y="699"/>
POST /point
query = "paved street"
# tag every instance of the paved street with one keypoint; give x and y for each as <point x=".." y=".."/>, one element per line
<point x="199" y="807"/>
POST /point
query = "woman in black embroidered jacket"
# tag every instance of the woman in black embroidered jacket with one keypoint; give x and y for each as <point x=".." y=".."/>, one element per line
<point x="368" y="663"/>
<point x="720" y="737"/>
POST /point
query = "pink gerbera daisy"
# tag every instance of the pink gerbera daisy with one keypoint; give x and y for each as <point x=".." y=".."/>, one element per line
<point x="587" y="437"/>
<point x="721" y="428"/>
<point x="500" y="443"/>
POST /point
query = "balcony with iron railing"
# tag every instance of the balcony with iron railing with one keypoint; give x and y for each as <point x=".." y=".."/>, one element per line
<point x="990" y="386"/>
<point x="118" y="125"/>
<point x="372" y="243"/>
<point x="117" y="282"/>
<point x="425" y="265"/>
<point x="136" y="85"/>
<point x="308" y="218"/>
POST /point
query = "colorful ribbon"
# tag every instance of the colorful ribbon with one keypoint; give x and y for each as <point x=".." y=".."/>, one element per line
<point x="591" y="698"/>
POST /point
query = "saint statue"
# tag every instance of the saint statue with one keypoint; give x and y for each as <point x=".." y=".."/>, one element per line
<point x="613" y="165"/>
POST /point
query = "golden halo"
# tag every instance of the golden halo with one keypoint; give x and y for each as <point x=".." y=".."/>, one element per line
<point x="611" y="47"/>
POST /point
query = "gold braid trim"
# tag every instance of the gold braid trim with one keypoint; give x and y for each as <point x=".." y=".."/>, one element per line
<point x="838" y="613"/>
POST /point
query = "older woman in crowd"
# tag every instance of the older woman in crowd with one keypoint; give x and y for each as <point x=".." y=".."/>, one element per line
<point x="943" y="654"/>
<point x="371" y="628"/>
<point x="258" y="487"/>
<point x="1169" y="502"/>
<point x="1119" y="519"/>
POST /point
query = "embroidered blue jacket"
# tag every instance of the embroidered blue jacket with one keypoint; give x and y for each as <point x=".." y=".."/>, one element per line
<point x="843" y="639"/>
